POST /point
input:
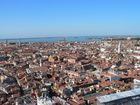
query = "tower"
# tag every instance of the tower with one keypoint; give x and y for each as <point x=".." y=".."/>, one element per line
<point x="119" y="47"/>
<point x="40" y="62"/>
<point x="6" y="42"/>
<point x="19" y="43"/>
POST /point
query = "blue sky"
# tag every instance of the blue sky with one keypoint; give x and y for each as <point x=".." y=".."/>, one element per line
<point x="35" y="18"/>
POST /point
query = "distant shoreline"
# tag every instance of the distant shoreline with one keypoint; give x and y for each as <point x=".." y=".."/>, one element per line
<point x="72" y="38"/>
<point x="111" y="36"/>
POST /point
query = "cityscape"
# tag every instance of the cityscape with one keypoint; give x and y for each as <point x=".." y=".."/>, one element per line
<point x="102" y="72"/>
<point x="69" y="52"/>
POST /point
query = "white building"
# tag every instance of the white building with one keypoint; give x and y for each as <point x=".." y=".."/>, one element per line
<point x="136" y="83"/>
<point x="44" y="101"/>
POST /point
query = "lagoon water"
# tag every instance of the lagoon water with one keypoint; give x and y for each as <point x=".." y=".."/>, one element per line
<point x="67" y="38"/>
<point x="56" y="39"/>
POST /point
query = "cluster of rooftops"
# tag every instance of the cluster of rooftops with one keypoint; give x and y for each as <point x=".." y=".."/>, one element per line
<point x="68" y="73"/>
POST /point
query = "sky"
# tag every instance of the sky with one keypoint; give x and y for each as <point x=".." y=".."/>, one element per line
<point x="40" y="18"/>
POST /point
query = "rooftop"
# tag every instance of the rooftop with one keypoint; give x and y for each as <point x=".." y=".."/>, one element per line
<point x="117" y="96"/>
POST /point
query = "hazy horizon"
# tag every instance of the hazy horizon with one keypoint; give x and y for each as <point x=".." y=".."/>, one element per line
<point x="90" y="36"/>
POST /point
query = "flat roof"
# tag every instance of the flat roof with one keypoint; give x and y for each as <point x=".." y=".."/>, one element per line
<point x="117" y="96"/>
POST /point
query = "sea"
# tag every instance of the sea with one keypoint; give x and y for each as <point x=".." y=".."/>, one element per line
<point x="57" y="39"/>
